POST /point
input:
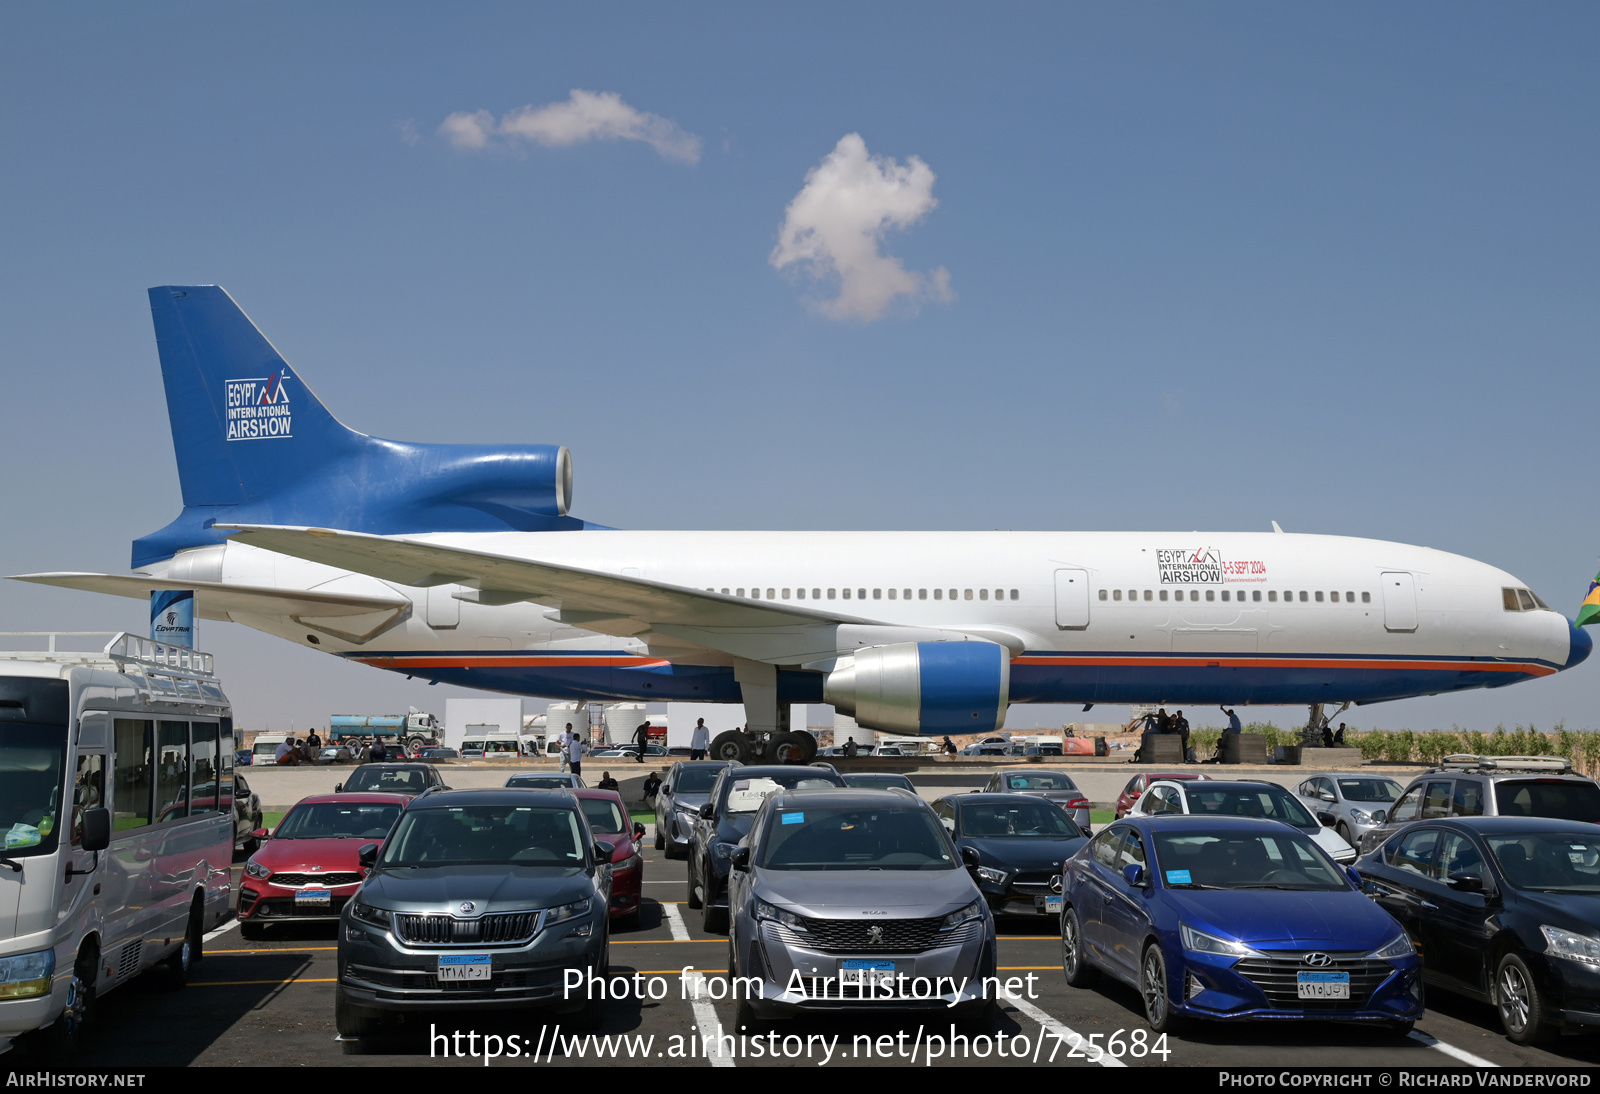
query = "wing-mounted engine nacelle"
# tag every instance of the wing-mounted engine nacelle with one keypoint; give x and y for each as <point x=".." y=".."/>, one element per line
<point x="924" y="687"/>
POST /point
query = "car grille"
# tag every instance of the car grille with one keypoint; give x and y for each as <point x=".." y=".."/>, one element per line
<point x="1276" y="976"/>
<point x="443" y="930"/>
<point x="854" y="935"/>
<point x="1034" y="882"/>
<point x="297" y="880"/>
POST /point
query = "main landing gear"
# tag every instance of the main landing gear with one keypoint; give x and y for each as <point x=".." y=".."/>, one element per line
<point x="1317" y="723"/>
<point x="766" y="737"/>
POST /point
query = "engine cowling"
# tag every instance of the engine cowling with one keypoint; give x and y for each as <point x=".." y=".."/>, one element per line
<point x="924" y="687"/>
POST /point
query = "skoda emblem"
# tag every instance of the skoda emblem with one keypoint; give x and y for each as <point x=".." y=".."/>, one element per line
<point x="1318" y="960"/>
<point x="875" y="935"/>
<point x="467" y="907"/>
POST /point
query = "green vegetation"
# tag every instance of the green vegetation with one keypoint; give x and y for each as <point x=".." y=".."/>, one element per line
<point x="1101" y="816"/>
<point x="1582" y="747"/>
<point x="269" y="821"/>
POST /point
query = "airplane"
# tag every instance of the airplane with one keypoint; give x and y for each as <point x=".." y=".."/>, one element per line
<point x="462" y="564"/>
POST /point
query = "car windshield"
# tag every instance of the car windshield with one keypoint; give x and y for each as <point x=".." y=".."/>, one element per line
<point x="879" y="782"/>
<point x="697" y="780"/>
<point x="1035" y="818"/>
<point x="32" y="758"/>
<point x="1565" y="862"/>
<point x="1369" y="790"/>
<point x="540" y="782"/>
<point x="1272" y="802"/>
<point x="388" y="780"/>
<point x="1280" y="859"/>
<point x="604" y="817"/>
<point x="486" y="835"/>
<point x="1558" y="799"/>
<point x="336" y="820"/>
<point x="852" y="838"/>
<point x="745" y="794"/>
<point x="1041" y="780"/>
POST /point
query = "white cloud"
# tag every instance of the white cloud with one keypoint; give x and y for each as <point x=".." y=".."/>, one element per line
<point x="835" y="225"/>
<point x="584" y="116"/>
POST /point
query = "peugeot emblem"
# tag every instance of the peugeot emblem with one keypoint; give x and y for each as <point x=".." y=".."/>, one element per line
<point x="875" y="935"/>
<point x="467" y="907"/>
<point x="1318" y="960"/>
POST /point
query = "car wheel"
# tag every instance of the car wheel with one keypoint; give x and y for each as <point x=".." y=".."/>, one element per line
<point x="661" y="838"/>
<point x="1524" y="1011"/>
<point x="68" y="1033"/>
<point x="1074" y="962"/>
<point x="1153" y="990"/>
<point x="177" y="966"/>
<point x="352" y="1023"/>
<point x="1344" y="833"/>
<point x="694" y="893"/>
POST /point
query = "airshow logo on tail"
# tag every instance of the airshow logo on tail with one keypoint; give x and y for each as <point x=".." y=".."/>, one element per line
<point x="259" y="409"/>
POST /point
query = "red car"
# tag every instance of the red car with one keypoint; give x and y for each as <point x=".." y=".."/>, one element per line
<point x="306" y="868"/>
<point x="608" y="820"/>
<point x="1139" y="783"/>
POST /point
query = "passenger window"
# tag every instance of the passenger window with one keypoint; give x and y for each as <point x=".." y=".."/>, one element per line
<point x="1224" y="595"/>
<point x="847" y="594"/>
<point x="1366" y="598"/>
<point x="1211" y="594"/>
<point x="1272" y="596"/>
<point x="832" y="594"/>
<point x="770" y="592"/>
<point x="172" y="771"/>
<point x="1163" y="594"/>
<point x="1102" y="594"/>
<point x="1458" y="855"/>
<point x="1014" y="595"/>
<point x="952" y="594"/>
<point x="907" y="594"/>
<point x="799" y="594"/>
<point x="1130" y="852"/>
<point x="1255" y="595"/>
<point x="877" y="594"/>
<point x="999" y="594"/>
<point x="88" y="790"/>
<point x="203" y="778"/>
<point x="1468" y="799"/>
<point x="1104" y="849"/>
<point x="816" y="594"/>
<point x="134" y="762"/>
<point x="1116" y="594"/>
<point x="1319" y="596"/>
<point x="724" y="592"/>
<point x="1302" y="596"/>
<point x="1525" y="598"/>
<point x="966" y="594"/>
<point x="1147" y="596"/>
<point x="938" y="594"/>
<point x="983" y="594"/>
<point x="741" y="591"/>
<point x="1334" y="596"/>
<point x="861" y="594"/>
<point x="1415" y="850"/>
<point x="1436" y="803"/>
<point x="893" y="593"/>
<point x="1406" y="808"/>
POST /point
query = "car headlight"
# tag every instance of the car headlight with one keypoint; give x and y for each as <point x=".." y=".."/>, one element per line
<point x="1574" y="947"/>
<point x="366" y="913"/>
<point x="566" y="912"/>
<point x="27" y="974"/>
<point x="723" y="849"/>
<point x="1360" y="817"/>
<point x="764" y="910"/>
<point x="1200" y="942"/>
<point x="993" y="876"/>
<point x="256" y="870"/>
<point x="962" y="915"/>
<point x="1398" y="946"/>
<point x="632" y="862"/>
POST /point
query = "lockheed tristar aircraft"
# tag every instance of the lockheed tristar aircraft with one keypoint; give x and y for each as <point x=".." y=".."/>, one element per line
<point x="460" y="563"/>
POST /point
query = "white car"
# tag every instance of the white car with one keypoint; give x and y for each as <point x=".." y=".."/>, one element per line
<point x="1241" y="798"/>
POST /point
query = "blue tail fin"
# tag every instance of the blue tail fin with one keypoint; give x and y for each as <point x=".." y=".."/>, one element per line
<point x="254" y="445"/>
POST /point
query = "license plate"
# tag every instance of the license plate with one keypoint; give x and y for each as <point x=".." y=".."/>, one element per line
<point x="465" y="966"/>
<point x="1052" y="905"/>
<point x="864" y="973"/>
<point x="313" y="898"/>
<point x="1324" y="985"/>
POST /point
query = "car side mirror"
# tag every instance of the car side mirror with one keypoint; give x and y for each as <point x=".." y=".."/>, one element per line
<point x="1465" y="883"/>
<point x="1327" y="797"/>
<point x="96" y="829"/>
<point x="1134" y="873"/>
<point x="970" y="858"/>
<point x="261" y="833"/>
<point x="1380" y="815"/>
<point x="1327" y="819"/>
<point x="708" y="811"/>
<point x="368" y="855"/>
<point x="1355" y="876"/>
<point x="741" y="859"/>
<point x="602" y="853"/>
<point x="338" y="788"/>
<point x="638" y="830"/>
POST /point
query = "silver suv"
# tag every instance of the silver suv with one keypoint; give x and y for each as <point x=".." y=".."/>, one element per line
<point x="856" y="900"/>
<point x="477" y="900"/>
<point x="1492" y="786"/>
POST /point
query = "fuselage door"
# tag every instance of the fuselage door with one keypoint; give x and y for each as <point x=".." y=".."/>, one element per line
<point x="1399" y="602"/>
<point x="1072" y="599"/>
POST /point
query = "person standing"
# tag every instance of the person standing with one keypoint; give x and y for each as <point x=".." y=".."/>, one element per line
<point x="379" y="753"/>
<point x="642" y="736"/>
<point x="1180" y="726"/>
<point x="562" y="742"/>
<point x="575" y="750"/>
<point x="700" y="740"/>
<point x="850" y="748"/>
<point x="313" y="742"/>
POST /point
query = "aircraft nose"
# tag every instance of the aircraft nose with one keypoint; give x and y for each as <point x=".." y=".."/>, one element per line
<point x="1581" y="646"/>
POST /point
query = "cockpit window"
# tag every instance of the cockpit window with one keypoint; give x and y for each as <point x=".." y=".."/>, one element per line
<point x="1522" y="600"/>
<point x="1526" y="599"/>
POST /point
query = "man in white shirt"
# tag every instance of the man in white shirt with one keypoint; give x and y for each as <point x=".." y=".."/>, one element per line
<point x="563" y="741"/>
<point x="700" y="741"/>
<point x="286" y="753"/>
<point x="575" y="750"/>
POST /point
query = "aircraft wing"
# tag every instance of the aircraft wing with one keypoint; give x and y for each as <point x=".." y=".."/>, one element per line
<point x="584" y="597"/>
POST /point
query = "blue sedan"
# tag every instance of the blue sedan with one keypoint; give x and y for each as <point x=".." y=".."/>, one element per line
<point x="1233" y="918"/>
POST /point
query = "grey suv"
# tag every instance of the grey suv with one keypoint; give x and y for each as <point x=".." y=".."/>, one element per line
<point x="855" y="900"/>
<point x="478" y="899"/>
<point x="1492" y="786"/>
<point x="1358" y="802"/>
<point x="686" y="789"/>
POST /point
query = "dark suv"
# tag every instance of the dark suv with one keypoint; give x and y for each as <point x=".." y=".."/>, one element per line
<point x="477" y="900"/>
<point x="1491" y="786"/>
<point x="392" y="778"/>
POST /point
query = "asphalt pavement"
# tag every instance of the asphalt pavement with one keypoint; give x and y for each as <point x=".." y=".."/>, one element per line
<point x="271" y="1002"/>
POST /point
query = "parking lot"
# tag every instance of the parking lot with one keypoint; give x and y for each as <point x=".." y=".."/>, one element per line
<point x="252" y="1003"/>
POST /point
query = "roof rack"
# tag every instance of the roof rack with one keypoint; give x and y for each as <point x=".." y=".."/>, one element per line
<point x="167" y="673"/>
<point x="1466" y="761"/>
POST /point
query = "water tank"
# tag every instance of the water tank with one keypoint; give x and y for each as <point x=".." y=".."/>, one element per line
<point x="622" y="721"/>
<point x="845" y="728"/>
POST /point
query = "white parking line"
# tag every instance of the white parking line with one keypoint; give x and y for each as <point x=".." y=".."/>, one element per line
<point x="224" y="929"/>
<point x="675" y="923"/>
<point x="705" y="1017"/>
<point x="1095" y="1053"/>
<point x="1451" y="1050"/>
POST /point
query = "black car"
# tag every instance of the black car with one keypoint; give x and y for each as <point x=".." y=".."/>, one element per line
<point x="724" y="821"/>
<point x="1505" y="910"/>
<point x="1021" y="842"/>
<point x="476" y="900"/>
<point x="392" y="778"/>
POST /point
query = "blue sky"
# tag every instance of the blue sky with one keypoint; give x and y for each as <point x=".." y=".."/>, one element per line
<point x="1208" y="266"/>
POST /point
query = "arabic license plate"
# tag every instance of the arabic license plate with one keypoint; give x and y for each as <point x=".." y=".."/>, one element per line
<point x="313" y="899"/>
<point x="1324" y="985"/>
<point x="865" y="973"/>
<point x="1052" y="905"/>
<point x="465" y="966"/>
